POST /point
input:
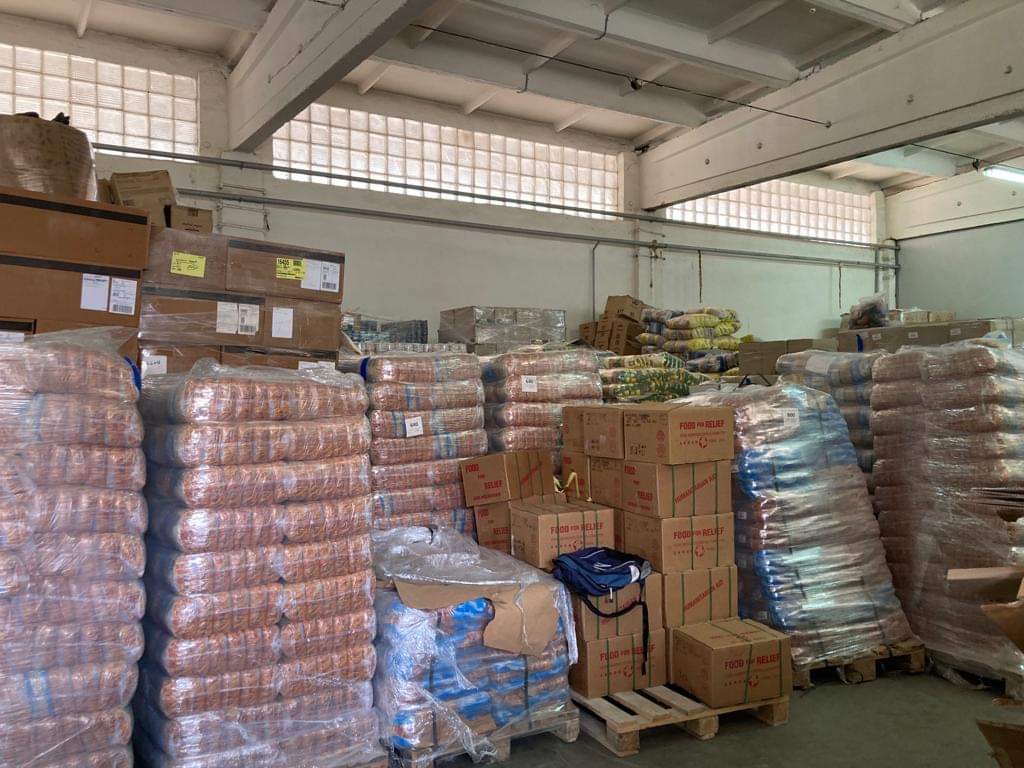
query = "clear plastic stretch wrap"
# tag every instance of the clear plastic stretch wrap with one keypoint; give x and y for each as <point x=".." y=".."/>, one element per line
<point x="526" y="391"/>
<point x="808" y="549"/>
<point x="259" y="619"/>
<point x="426" y="414"/>
<point x="849" y="378"/>
<point x="950" y="489"/>
<point x="439" y="688"/>
<point x="72" y="556"/>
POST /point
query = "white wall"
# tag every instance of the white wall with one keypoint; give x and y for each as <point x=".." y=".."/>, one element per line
<point x="407" y="270"/>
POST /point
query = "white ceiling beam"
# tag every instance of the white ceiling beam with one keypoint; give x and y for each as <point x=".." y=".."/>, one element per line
<point x="559" y="81"/>
<point x="1011" y="132"/>
<point x="548" y="51"/>
<point x="303" y="50"/>
<point x="874" y="100"/>
<point x="83" y="17"/>
<point x="734" y="99"/>
<point x="653" y="34"/>
<point x="610" y="6"/>
<point x="890" y="15"/>
<point x="235" y="14"/>
<point x="432" y="19"/>
<point x="572" y="119"/>
<point x="239" y="41"/>
<point x="833" y="45"/>
<point x="375" y="71"/>
<point x="924" y="162"/>
<point x="479" y="100"/>
<point x="657" y="133"/>
<point x="744" y="18"/>
<point x="651" y="75"/>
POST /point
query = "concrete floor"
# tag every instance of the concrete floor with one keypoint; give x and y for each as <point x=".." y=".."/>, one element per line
<point x="895" y="722"/>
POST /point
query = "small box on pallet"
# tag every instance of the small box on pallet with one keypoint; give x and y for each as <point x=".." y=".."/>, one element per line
<point x="617" y="665"/>
<point x="606" y="481"/>
<point x="541" y="532"/>
<point x="591" y="626"/>
<point x="677" y="544"/>
<point x="660" y="490"/>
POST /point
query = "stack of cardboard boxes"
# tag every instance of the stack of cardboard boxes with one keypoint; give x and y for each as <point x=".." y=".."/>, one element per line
<point x="758" y="358"/>
<point x="242" y="302"/>
<point x="616" y="330"/>
<point x="496" y="330"/>
<point x="930" y="334"/>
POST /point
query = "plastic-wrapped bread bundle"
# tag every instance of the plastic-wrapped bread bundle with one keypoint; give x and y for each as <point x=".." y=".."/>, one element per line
<point x="540" y="382"/>
<point x="849" y="378"/>
<point x="808" y="549"/>
<point x="72" y="556"/>
<point x="696" y="331"/>
<point x="949" y="477"/>
<point x="260" y="622"/>
<point x="446" y="682"/>
<point x="426" y="414"/>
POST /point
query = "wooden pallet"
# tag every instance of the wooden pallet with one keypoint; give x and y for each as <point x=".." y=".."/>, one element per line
<point x="1011" y="682"/>
<point x="616" y="721"/>
<point x="564" y="725"/>
<point x="906" y="657"/>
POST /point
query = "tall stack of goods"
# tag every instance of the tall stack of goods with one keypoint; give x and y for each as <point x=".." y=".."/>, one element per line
<point x="948" y="437"/>
<point x="849" y="378"/>
<point x="260" y="622"/>
<point x="696" y="332"/>
<point x="462" y="676"/>
<point x="527" y="390"/>
<point x="495" y="330"/>
<point x="71" y="553"/>
<point x="426" y="413"/>
<point x="655" y="376"/>
<point x="810" y="557"/>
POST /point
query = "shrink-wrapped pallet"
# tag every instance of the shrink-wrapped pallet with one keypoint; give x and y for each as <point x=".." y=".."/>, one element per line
<point x="72" y="556"/>
<point x="259" y="631"/>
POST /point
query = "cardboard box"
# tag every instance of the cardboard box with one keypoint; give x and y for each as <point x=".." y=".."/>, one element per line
<point x="758" y="358"/>
<point x="187" y="260"/>
<point x="624" y="306"/>
<point x="243" y="356"/>
<point x="572" y="427"/>
<point x="920" y="335"/>
<point x="606" y="481"/>
<point x="313" y="326"/>
<point x="798" y="345"/>
<point x="590" y="626"/>
<point x="975" y="329"/>
<point x="941" y="316"/>
<point x="576" y="461"/>
<point x="505" y="476"/>
<point x="660" y="490"/>
<point x="622" y="336"/>
<point x="541" y="532"/>
<point x="173" y="359"/>
<point x="676" y="544"/>
<point x="105" y="192"/>
<point x="602" y="432"/>
<point x="196" y="220"/>
<point x="88" y="295"/>
<point x="691" y="597"/>
<point x="616" y="665"/>
<point x="669" y="433"/>
<point x="69" y="230"/>
<point x="493" y="521"/>
<point x="826" y="344"/>
<point x="736" y="661"/>
<point x="255" y="266"/>
<point x="588" y="332"/>
<point x="603" y="334"/>
<point x="175" y="316"/>
<point x="152" y="191"/>
<point x="914" y="316"/>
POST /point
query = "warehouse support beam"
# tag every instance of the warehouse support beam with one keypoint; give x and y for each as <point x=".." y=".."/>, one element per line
<point x="654" y="34"/>
<point x="431" y="20"/>
<point x="928" y="162"/>
<point x="873" y="100"/>
<point x="503" y="69"/>
<point x="84" y="11"/>
<point x="303" y="50"/>
<point x="891" y="15"/>
<point x="744" y="18"/>
<point x="571" y="119"/>
<point x="235" y="14"/>
<point x="475" y="103"/>
<point x="377" y="70"/>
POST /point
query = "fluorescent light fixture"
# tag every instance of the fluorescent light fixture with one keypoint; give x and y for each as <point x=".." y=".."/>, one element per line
<point x="1004" y="173"/>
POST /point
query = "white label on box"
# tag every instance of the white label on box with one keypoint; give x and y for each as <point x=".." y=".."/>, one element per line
<point x="154" y="365"/>
<point x="790" y="418"/>
<point x="281" y="323"/>
<point x="12" y="337"/>
<point x="819" y="363"/>
<point x="912" y="334"/>
<point x="955" y="331"/>
<point x="316" y="364"/>
<point x="95" y="290"/>
<point x="529" y="383"/>
<point x="330" y="276"/>
<point x="414" y="426"/>
<point x="876" y="336"/>
<point x="248" y="319"/>
<point x="227" y="317"/>
<point x="312" y="274"/>
<point x="122" y="296"/>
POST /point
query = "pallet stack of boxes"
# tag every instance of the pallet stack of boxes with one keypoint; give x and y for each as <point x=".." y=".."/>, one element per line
<point x="665" y="468"/>
<point x="237" y="301"/>
<point x="618" y="326"/>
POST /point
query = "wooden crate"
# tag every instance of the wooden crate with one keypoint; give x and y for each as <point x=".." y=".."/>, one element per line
<point x="1011" y="681"/>
<point x="906" y="657"/>
<point x="616" y="721"/>
<point x="564" y="725"/>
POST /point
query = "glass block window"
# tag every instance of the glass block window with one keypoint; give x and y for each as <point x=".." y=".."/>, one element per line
<point x="785" y="208"/>
<point x="379" y="147"/>
<point x="111" y="103"/>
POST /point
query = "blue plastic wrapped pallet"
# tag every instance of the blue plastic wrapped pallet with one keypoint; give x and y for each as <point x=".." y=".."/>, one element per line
<point x="473" y="647"/>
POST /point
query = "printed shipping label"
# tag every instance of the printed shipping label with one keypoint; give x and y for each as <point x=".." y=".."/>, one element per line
<point x="95" y="291"/>
<point x="414" y="426"/>
<point x="154" y="365"/>
<point x="248" y="319"/>
<point x="330" y="277"/>
<point x="790" y="418"/>
<point x="122" y="296"/>
<point x="282" y="322"/>
<point x="313" y="270"/>
<point x="529" y="383"/>
<point x="227" y="317"/>
<point x="189" y="264"/>
<point x="305" y="365"/>
<point x="290" y="269"/>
